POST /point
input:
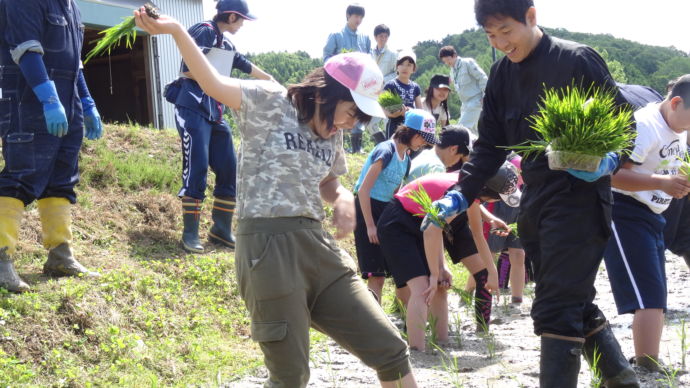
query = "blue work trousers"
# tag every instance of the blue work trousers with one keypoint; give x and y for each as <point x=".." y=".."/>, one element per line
<point x="38" y="164"/>
<point x="204" y="144"/>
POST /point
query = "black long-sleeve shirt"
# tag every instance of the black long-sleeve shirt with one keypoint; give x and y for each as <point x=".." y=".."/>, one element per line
<point x="512" y="95"/>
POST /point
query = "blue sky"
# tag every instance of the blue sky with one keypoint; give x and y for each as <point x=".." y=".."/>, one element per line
<point x="305" y="24"/>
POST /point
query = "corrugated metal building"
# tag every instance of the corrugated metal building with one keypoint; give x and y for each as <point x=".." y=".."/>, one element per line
<point x="127" y="84"/>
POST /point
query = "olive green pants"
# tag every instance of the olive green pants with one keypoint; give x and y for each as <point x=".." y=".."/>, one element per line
<point x="292" y="276"/>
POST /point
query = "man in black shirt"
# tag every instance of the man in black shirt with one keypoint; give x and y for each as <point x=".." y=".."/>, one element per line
<point x="565" y="216"/>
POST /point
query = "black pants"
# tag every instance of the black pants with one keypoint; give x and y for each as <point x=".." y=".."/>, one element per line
<point x="564" y="225"/>
<point x="677" y="230"/>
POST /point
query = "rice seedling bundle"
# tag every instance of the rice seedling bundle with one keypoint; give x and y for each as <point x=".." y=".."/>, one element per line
<point x="422" y="198"/>
<point x="390" y="101"/>
<point x="112" y="36"/>
<point x="577" y="128"/>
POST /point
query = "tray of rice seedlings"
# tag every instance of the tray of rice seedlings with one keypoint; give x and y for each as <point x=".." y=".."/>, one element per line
<point x="422" y="198"/>
<point x="126" y="30"/>
<point x="390" y="101"/>
<point x="578" y="127"/>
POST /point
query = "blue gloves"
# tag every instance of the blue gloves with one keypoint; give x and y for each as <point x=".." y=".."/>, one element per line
<point x="606" y="167"/>
<point x="56" y="119"/>
<point x="92" y="120"/>
<point x="451" y="204"/>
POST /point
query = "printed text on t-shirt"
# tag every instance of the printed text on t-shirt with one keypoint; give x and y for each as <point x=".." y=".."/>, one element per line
<point x="295" y="141"/>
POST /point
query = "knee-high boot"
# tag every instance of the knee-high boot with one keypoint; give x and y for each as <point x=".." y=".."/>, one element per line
<point x="559" y="363"/>
<point x="221" y="231"/>
<point x="56" y="223"/>
<point x="191" y="216"/>
<point x="11" y="212"/>
<point x="602" y="348"/>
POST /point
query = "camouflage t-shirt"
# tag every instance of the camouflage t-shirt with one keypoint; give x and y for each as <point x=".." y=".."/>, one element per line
<point x="281" y="162"/>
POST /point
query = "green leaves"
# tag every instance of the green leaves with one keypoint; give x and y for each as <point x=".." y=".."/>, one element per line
<point x="387" y="99"/>
<point x="579" y="121"/>
<point x="685" y="166"/>
<point x="112" y="36"/>
<point x="422" y="198"/>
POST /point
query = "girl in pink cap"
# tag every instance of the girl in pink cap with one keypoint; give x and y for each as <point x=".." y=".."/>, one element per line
<point x="291" y="273"/>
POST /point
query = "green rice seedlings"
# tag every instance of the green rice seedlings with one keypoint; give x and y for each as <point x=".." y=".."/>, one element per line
<point x="390" y="101"/>
<point x="685" y="166"/>
<point x="514" y="229"/>
<point x="422" y="198"/>
<point x="433" y="333"/>
<point x="670" y="374"/>
<point x="580" y="126"/>
<point x="449" y="363"/>
<point x="126" y="30"/>
<point x="596" y="378"/>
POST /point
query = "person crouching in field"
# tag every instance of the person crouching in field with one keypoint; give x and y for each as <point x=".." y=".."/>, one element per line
<point x="385" y="168"/>
<point x="291" y="273"/>
<point x="416" y="259"/>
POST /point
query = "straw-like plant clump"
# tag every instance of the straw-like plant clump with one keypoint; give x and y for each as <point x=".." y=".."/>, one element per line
<point x="579" y="121"/>
<point x="126" y="30"/>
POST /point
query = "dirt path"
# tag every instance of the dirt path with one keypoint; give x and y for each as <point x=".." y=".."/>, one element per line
<point x="510" y="357"/>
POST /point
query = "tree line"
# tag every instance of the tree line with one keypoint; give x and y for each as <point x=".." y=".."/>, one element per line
<point x="628" y="61"/>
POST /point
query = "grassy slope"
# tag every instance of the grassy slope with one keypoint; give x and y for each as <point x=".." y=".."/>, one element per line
<point x="158" y="316"/>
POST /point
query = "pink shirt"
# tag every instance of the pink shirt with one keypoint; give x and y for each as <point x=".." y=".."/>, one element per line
<point x="435" y="185"/>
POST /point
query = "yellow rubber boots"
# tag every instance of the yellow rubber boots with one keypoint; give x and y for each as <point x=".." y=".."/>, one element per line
<point x="56" y="221"/>
<point x="11" y="212"/>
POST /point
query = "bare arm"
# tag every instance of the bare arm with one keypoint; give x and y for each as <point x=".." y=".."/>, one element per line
<point x="495" y="222"/>
<point x="418" y="102"/>
<point x="364" y="198"/>
<point x="676" y="186"/>
<point x="343" y="205"/>
<point x="260" y="74"/>
<point x="224" y="89"/>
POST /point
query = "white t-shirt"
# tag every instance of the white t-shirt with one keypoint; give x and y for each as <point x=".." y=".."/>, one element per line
<point x="658" y="150"/>
<point x="439" y="113"/>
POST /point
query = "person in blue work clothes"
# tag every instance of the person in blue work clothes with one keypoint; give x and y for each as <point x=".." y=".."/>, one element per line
<point x="349" y="39"/>
<point x="44" y="107"/>
<point x="206" y="136"/>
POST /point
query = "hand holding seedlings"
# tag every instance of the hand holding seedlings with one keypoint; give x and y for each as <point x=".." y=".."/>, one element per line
<point x="156" y="26"/>
<point x="676" y="186"/>
<point x="499" y="228"/>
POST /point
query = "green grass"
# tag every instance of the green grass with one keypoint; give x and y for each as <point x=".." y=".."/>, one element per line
<point x="127" y="161"/>
<point x="157" y="317"/>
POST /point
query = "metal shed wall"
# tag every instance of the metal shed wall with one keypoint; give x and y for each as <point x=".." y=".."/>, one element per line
<point x="165" y="58"/>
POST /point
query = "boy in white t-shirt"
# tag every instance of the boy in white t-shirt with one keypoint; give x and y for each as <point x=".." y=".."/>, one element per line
<point x="643" y="188"/>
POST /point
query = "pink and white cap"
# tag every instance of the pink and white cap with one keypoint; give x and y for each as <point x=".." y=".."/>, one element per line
<point x="359" y="73"/>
